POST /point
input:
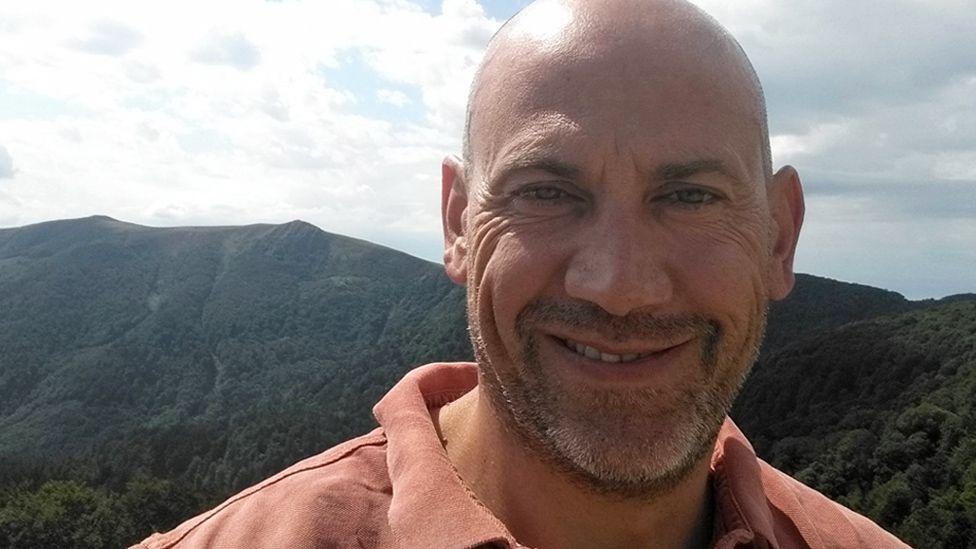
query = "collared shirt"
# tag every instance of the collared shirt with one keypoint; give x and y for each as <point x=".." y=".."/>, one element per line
<point x="395" y="487"/>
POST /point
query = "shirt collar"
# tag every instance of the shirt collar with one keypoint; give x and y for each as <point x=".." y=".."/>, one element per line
<point x="430" y="506"/>
<point x="740" y="499"/>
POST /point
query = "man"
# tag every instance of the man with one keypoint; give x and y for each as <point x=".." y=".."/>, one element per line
<point x="620" y="231"/>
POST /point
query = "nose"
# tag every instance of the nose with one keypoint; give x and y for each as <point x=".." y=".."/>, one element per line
<point x="620" y="266"/>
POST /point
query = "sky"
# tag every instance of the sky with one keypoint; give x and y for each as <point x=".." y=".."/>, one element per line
<point x="339" y="112"/>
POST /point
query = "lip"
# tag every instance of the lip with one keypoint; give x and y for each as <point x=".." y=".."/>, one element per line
<point x="653" y="367"/>
<point x="612" y="348"/>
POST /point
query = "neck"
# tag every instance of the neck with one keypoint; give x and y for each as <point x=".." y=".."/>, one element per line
<point x="544" y="508"/>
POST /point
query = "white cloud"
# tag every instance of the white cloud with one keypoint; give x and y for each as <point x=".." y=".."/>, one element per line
<point x="6" y="164"/>
<point x="107" y="37"/>
<point x="232" y="49"/>
<point x="439" y="57"/>
<point x="958" y="166"/>
<point x="788" y="147"/>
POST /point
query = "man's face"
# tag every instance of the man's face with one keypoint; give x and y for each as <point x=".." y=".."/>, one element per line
<point x="616" y="248"/>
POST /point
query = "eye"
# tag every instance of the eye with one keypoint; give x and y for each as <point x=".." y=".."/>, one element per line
<point x="544" y="194"/>
<point x="691" y="197"/>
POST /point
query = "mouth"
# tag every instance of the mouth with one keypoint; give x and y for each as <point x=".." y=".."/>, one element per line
<point x="602" y="355"/>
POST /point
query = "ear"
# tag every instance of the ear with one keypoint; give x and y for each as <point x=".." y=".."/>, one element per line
<point x="454" y="205"/>
<point x="785" y="195"/>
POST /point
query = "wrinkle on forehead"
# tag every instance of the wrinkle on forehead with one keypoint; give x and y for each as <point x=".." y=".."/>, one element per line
<point x="571" y="149"/>
<point x="532" y="138"/>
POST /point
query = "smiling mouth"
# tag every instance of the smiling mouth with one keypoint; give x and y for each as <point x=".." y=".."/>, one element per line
<point x="593" y="353"/>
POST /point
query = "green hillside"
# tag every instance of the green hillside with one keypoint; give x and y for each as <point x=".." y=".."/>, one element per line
<point x="108" y="326"/>
<point x="880" y="415"/>
<point x="199" y="358"/>
<point x="148" y="373"/>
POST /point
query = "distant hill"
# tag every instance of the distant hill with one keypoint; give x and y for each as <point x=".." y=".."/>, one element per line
<point x="111" y="330"/>
<point x="817" y="304"/>
<point x="881" y="415"/>
<point x="161" y="369"/>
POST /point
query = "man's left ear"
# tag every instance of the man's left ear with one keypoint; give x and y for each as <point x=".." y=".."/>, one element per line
<point x="785" y="195"/>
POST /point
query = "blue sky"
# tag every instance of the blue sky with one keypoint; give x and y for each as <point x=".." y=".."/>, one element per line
<point x="498" y="9"/>
<point x="339" y="112"/>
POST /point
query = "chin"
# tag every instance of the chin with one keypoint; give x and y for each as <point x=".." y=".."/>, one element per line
<point x="636" y="445"/>
<point x="632" y="444"/>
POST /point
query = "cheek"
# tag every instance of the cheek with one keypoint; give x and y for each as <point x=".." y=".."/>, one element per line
<point x="521" y="268"/>
<point x="722" y="270"/>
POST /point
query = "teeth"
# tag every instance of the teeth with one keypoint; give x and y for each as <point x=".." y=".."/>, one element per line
<point x="596" y="354"/>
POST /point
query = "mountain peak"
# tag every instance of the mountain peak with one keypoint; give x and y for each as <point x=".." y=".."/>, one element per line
<point x="299" y="227"/>
<point x="300" y="223"/>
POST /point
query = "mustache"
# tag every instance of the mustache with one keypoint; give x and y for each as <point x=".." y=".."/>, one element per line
<point x="589" y="317"/>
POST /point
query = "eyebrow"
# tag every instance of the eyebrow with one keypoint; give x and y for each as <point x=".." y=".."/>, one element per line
<point x="688" y="169"/>
<point x="545" y="164"/>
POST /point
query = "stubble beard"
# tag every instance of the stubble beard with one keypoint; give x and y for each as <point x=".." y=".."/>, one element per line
<point x="633" y="443"/>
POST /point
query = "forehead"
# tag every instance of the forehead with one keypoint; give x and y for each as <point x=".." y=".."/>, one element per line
<point x="593" y="104"/>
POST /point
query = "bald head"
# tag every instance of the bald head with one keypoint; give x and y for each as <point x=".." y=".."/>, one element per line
<point x="591" y="51"/>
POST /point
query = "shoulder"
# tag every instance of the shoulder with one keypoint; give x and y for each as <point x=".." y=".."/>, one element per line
<point x="338" y="496"/>
<point x="799" y="510"/>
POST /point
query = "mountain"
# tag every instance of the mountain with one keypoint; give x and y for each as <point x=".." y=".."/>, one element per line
<point x="147" y="373"/>
<point x="113" y="332"/>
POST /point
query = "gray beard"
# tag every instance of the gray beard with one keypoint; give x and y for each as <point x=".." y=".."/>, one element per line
<point x="628" y="444"/>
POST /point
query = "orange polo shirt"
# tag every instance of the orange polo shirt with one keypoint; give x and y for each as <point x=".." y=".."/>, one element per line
<point x="395" y="487"/>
